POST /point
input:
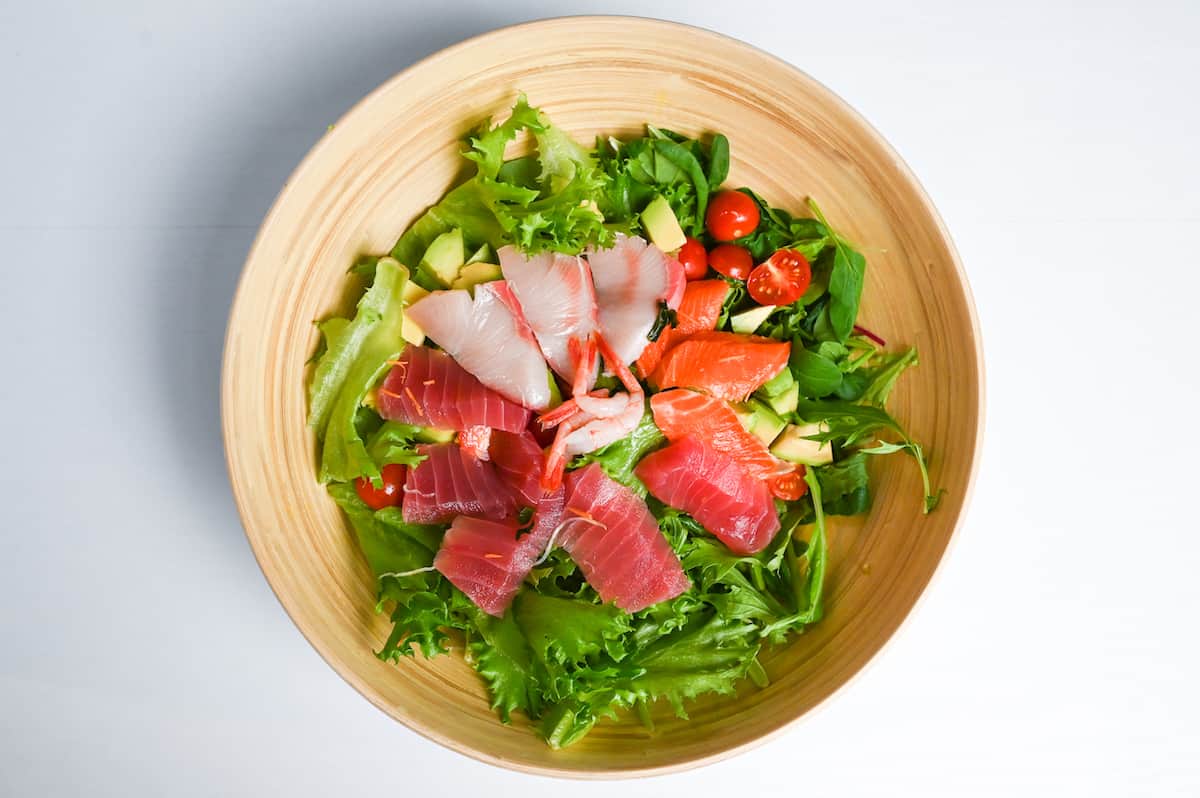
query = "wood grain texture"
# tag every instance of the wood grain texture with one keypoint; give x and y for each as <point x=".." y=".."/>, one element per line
<point x="396" y="153"/>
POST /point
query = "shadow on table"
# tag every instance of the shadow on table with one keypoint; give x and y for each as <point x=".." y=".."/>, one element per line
<point x="236" y="185"/>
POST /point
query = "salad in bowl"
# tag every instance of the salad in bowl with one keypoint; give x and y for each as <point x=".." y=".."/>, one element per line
<point x="591" y="415"/>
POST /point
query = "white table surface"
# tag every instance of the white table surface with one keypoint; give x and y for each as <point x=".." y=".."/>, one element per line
<point x="141" y="652"/>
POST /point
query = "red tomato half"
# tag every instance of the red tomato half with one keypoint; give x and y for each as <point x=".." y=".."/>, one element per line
<point x="790" y="487"/>
<point x="730" y="215"/>
<point x="781" y="279"/>
<point x="389" y="495"/>
<point x="694" y="259"/>
<point x="731" y="261"/>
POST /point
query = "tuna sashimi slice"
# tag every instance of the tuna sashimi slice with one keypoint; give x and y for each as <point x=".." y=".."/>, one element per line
<point x="485" y="560"/>
<point x="615" y="541"/>
<point x="490" y="338"/>
<point x="713" y="489"/>
<point x="427" y="388"/>
<point x="556" y="295"/>
<point x="727" y="365"/>
<point x="450" y="482"/>
<point x="631" y="278"/>
<point x="697" y="312"/>
<point x="679" y="413"/>
<point x="488" y="560"/>
<point x="518" y="460"/>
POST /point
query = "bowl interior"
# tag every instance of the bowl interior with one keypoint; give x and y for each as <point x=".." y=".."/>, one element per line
<point x="396" y="153"/>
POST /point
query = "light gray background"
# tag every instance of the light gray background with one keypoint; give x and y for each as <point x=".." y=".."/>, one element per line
<point x="141" y="652"/>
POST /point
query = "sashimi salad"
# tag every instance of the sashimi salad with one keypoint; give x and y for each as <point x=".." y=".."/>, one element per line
<point x="590" y="416"/>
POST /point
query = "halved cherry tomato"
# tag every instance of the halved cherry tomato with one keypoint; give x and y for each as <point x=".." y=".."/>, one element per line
<point x="730" y="215"/>
<point x="694" y="259"/>
<point x="731" y="260"/>
<point x="781" y="279"/>
<point x="791" y="486"/>
<point x="389" y="495"/>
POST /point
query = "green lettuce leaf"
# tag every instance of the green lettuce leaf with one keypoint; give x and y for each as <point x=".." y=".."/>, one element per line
<point x="619" y="458"/>
<point x="356" y="356"/>
<point x="566" y="630"/>
<point x="505" y="661"/>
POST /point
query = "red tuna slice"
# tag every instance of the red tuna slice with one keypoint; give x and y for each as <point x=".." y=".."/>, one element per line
<point x="617" y="544"/>
<point x="488" y="560"/>
<point x="485" y="560"/>
<point x="427" y="388"/>
<point x="518" y="459"/>
<point x="680" y="413"/>
<point x="713" y="489"/>
<point x="450" y="482"/>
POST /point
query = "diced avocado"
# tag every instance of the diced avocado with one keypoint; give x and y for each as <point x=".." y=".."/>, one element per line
<point x="482" y="255"/>
<point x="473" y="274"/>
<point x="787" y="401"/>
<point x="778" y="384"/>
<point x="748" y="321"/>
<point x="793" y="445"/>
<point x="746" y="415"/>
<point x="433" y="435"/>
<point x="767" y="425"/>
<point x="661" y="225"/>
<point x="555" y="393"/>
<point x="445" y="256"/>
<point x="409" y="330"/>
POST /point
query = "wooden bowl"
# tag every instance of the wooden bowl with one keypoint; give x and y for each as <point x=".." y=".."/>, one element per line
<point x="394" y="154"/>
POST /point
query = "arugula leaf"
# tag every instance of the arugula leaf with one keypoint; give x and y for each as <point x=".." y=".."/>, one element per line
<point x="733" y="298"/>
<point x="883" y="378"/>
<point x="619" y="458"/>
<point x="718" y="161"/>
<point x="845" y="486"/>
<point x="356" y="356"/>
<point x="845" y="281"/>
<point x="816" y="375"/>
<point x="777" y="229"/>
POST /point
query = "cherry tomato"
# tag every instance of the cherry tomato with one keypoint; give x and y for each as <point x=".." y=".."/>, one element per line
<point x="389" y="495"/>
<point x="730" y="215"/>
<point x="791" y="486"/>
<point x="781" y="279"/>
<point x="731" y="261"/>
<point x="694" y="259"/>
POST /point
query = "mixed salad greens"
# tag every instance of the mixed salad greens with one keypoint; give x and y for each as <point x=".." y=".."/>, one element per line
<point x="559" y="654"/>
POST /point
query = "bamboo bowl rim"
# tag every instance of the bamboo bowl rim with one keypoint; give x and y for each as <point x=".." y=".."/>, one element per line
<point x="233" y="422"/>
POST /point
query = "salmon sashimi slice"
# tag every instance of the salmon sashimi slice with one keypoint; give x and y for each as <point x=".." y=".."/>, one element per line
<point x="490" y="338"/>
<point x="615" y="541"/>
<point x="428" y="389"/>
<point x="631" y="278"/>
<point x="518" y="460"/>
<point x="557" y="297"/>
<point x="450" y="482"/>
<point x="698" y="312"/>
<point x="727" y="365"/>
<point x="485" y="560"/>
<point x="711" y="487"/>
<point x="680" y="412"/>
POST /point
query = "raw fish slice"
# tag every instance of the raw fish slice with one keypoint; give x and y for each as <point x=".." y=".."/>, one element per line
<point x="727" y="365"/>
<point x="450" y="482"/>
<point x="631" y="278"/>
<point x="614" y="519"/>
<point x="518" y="459"/>
<point x="713" y="489"/>
<point x="427" y="388"/>
<point x="679" y="413"/>
<point x="698" y="312"/>
<point x="557" y="298"/>
<point x="485" y="560"/>
<point x="490" y="338"/>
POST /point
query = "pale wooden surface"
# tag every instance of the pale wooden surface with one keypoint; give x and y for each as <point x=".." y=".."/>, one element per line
<point x="395" y="153"/>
